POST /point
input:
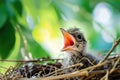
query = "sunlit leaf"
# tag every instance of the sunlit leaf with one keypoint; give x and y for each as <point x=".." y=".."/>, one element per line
<point x="33" y="47"/>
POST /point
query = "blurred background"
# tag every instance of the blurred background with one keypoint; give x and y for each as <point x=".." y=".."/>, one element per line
<point x="31" y="27"/>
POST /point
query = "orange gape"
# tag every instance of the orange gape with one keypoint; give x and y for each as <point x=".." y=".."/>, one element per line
<point x="69" y="40"/>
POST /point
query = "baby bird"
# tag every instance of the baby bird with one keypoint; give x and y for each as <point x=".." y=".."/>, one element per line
<point x="75" y="46"/>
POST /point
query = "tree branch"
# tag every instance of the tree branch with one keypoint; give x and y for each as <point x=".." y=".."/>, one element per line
<point x="111" y="50"/>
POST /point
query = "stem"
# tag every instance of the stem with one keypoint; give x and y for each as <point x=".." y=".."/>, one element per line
<point x="23" y="39"/>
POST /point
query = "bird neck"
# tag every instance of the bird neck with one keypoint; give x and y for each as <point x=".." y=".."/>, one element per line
<point x="75" y="57"/>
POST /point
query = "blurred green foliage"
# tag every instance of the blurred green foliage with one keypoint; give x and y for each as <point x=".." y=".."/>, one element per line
<point x="38" y="21"/>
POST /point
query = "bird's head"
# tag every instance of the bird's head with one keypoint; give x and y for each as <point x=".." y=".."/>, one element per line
<point x="73" y="40"/>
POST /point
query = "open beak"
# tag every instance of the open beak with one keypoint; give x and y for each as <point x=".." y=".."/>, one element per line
<point x="69" y="40"/>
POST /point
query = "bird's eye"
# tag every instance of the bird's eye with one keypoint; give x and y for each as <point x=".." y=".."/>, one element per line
<point x="79" y="37"/>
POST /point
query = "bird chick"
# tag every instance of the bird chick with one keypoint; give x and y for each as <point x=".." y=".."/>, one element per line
<point x="75" y="46"/>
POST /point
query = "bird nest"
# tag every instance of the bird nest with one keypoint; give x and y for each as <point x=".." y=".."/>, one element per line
<point x="52" y="69"/>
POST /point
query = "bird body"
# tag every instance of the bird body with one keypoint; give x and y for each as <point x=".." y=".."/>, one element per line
<point x="75" y="47"/>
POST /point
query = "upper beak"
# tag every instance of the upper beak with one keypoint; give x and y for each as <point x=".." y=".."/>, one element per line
<point x="69" y="40"/>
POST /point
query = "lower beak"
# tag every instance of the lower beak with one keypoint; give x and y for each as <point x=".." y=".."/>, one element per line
<point x="67" y="49"/>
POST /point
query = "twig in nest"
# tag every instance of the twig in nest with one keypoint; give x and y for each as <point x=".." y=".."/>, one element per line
<point x="82" y="72"/>
<point x="79" y="64"/>
<point x="38" y="60"/>
<point x="93" y="73"/>
<point x="113" y="68"/>
<point x="106" y="76"/>
<point x="70" y="75"/>
<point x="111" y="50"/>
<point x="85" y="58"/>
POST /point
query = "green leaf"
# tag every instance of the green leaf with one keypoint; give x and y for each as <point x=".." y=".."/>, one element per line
<point x="3" y="15"/>
<point x="7" y="39"/>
